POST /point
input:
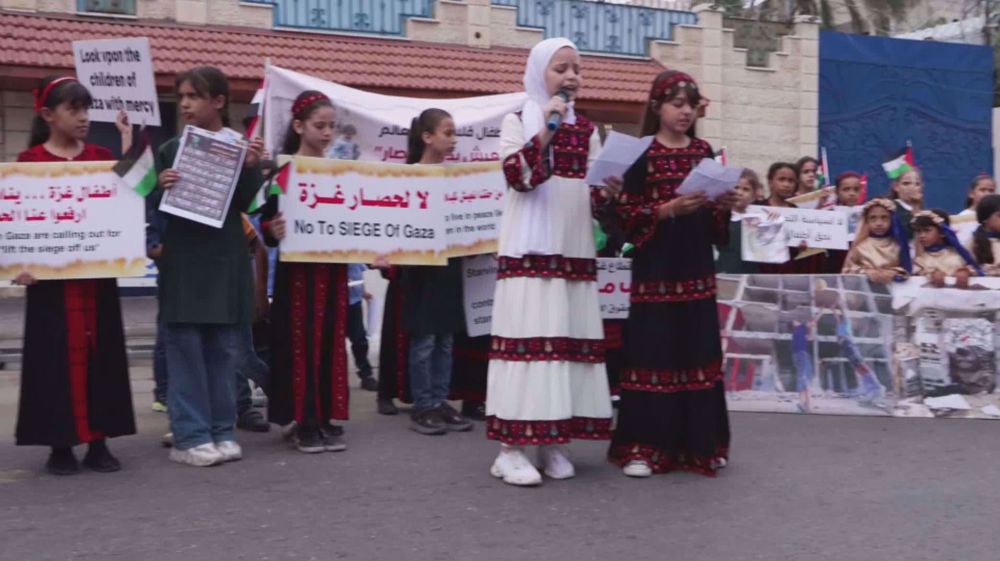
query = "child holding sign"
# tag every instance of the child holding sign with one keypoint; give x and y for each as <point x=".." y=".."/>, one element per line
<point x="74" y="380"/>
<point x="672" y="414"/>
<point x="206" y="290"/>
<point x="432" y="300"/>
<point x="308" y="384"/>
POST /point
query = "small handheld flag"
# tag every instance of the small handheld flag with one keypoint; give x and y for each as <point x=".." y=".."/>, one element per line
<point x="901" y="164"/>
<point x="137" y="167"/>
<point x="823" y="170"/>
<point x="275" y="183"/>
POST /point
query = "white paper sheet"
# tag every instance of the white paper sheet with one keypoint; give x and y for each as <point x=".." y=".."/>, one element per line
<point x="618" y="154"/>
<point x="950" y="401"/>
<point x="711" y="178"/>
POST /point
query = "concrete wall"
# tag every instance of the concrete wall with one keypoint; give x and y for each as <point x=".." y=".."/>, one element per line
<point x="761" y="115"/>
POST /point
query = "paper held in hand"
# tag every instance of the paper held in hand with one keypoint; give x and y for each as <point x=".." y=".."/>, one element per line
<point x="209" y="164"/>
<point x="712" y="178"/>
<point x="618" y="154"/>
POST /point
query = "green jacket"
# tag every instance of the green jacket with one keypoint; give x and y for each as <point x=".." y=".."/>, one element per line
<point x="205" y="274"/>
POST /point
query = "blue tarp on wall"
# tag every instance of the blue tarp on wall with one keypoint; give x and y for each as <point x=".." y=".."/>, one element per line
<point x="876" y="93"/>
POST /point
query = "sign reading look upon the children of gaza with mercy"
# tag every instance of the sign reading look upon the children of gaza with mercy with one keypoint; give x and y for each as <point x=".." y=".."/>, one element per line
<point x="66" y="220"/>
<point x="119" y="75"/>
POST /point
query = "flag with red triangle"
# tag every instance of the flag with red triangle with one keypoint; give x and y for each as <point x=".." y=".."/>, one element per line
<point x="275" y="183"/>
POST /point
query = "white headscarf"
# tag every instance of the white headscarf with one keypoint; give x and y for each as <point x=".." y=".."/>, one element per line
<point x="534" y="85"/>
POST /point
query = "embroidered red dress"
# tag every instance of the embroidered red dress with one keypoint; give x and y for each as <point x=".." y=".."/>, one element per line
<point x="547" y="382"/>
<point x="74" y="377"/>
<point x="672" y="413"/>
<point x="308" y="381"/>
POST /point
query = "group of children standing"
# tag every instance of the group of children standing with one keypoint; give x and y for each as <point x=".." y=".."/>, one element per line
<point x="539" y="380"/>
<point x="895" y="238"/>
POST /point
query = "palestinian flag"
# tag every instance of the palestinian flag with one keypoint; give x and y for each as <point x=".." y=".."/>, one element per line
<point x="900" y="164"/>
<point x="823" y="170"/>
<point x="136" y="168"/>
<point x="275" y="183"/>
<point x="254" y="113"/>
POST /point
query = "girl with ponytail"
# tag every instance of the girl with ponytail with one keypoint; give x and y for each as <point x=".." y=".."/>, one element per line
<point x="431" y="300"/>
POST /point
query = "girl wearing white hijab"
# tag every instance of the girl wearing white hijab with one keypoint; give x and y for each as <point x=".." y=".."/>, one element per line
<point x="547" y="381"/>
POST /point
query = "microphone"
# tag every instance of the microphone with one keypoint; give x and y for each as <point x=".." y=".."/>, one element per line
<point x="555" y="118"/>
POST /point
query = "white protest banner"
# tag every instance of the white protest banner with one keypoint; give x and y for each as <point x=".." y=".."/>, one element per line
<point x="819" y="229"/>
<point x="479" y="279"/>
<point x="614" y="283"/>
<point x="905" y="349"/>
<point x="209" y="164"/>
<point x="67" y="220"/>
<point x="119" y="75"/>
<point x="382" y="122"/>
<point x="342" y="211"/>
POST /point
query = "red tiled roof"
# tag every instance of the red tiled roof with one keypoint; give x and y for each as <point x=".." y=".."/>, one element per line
<point x="44" y="41"/>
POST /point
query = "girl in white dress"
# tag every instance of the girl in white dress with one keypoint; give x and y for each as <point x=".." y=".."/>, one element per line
<point x="547" y="381"/>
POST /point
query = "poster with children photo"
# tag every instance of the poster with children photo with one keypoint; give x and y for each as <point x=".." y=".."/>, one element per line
<point x="807" y="344"/>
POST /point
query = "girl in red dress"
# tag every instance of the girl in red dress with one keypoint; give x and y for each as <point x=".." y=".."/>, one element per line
<point x="74" y="378"/>
<point x="309" y="313"/>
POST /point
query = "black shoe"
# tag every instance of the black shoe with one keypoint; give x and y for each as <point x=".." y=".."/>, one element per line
<point x="253" y="420"/>
<point x="62" y="462"/>
<point x="333" y="438"/>
<point x="309" y="440"/>
<point x="427" y="422"/>
<point x="369" y="383"/>
<point x="474" y="410"/>
<point x="386" y="407"/>
<point x="452" y="420"/>
<point x="99" y="458"/>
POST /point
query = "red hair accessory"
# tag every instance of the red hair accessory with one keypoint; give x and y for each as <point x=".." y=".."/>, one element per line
<point x="846" y="175"/>
<point x="661" y="88"/>
<point x="308" y="100"/>
<point x="41" y="97"/>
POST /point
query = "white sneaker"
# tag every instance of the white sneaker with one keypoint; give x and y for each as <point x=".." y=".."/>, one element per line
<point x="554" y="460"/>
<point x="637" y="468"/>
<point x="167" y="440"/>
<point x="230" y="450"/>
<point x="720" y="463"/>
<point x="200" y="456"/>
<point x="514" y="468"/>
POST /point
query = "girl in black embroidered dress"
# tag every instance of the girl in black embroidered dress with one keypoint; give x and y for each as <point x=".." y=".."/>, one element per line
<point x="673" y="408"/>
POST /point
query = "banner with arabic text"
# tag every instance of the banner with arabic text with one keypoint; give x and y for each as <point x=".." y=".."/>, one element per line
<point x="67" y="220"/>
<point x="374" y="127"/>
<point x="341" y="211"/>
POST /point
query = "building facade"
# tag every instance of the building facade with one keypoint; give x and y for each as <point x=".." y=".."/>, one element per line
<point x="763" y="94"/>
